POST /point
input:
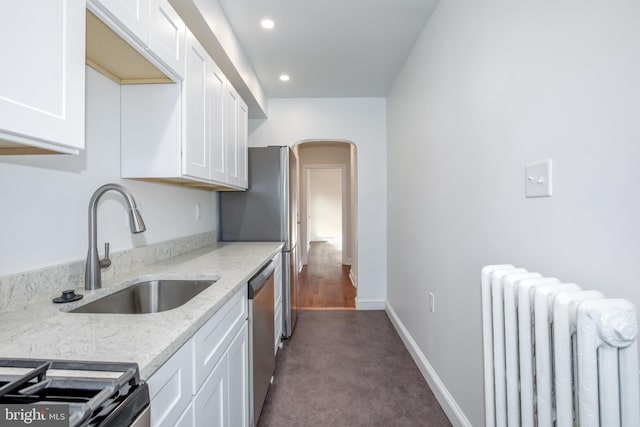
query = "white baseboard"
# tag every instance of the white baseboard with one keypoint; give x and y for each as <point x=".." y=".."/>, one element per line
<point x="446" y="400"/>
<point x="370" y="303"/>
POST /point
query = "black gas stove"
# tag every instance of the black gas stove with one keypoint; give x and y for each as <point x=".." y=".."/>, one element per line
<point x="72" y="393"/>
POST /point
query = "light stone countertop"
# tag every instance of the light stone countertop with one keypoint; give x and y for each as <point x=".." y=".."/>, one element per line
<point x="44" y="330"/>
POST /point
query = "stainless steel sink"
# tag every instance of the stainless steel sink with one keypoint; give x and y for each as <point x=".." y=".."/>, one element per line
<point x="152" y="296"/>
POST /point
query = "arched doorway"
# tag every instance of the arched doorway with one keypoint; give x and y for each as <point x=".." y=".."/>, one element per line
<point x="328" y="194"/>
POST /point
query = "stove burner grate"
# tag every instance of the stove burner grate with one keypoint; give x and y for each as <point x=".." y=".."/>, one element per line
<point x="90" y="399"/>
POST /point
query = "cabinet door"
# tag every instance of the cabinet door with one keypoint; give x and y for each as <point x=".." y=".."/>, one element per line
<point x="218" y="161"/>
<point x="186" y="420"/>
<point x="214" y="337"/>
<point x="243" y="129"/>
<point x="231" y="132"/>
<point x="239" y="378"/>
<point x="42" y="76"/>
<point x="195" y="144"/>
<point x="212" y="401"/>
<point x="166" y="36"/>
<point x="170" y="388"/>
<point x="277" y="301"/>
<point x="277" y="327"/>
<point x="132" y="15"/>
<point x="224" y="396"/>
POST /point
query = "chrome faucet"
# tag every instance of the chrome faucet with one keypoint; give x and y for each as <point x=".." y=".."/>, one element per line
<point x="92" y="276"/>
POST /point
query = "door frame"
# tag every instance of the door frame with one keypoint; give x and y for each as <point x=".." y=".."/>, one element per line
<point x="305" y="206"/>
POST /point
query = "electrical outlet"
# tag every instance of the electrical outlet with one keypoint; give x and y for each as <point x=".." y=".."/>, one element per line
<point x="432" y="302"/>
<point x="198" y="211"/>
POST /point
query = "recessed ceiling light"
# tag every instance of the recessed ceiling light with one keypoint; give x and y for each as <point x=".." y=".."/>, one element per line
<point x="284" y="77"/>
<point x="267" y="24"/>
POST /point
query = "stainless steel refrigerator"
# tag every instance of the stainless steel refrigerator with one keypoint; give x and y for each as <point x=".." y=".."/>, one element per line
<point x="268" y="211"/>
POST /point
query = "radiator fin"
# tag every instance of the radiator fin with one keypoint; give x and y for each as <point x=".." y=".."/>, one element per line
<point x="556" y="355"/>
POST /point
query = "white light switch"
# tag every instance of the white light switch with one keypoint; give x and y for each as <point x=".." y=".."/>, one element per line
<point x="537" y="178"/>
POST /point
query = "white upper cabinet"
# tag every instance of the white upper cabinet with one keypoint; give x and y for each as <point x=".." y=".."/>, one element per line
<point x="152" y="28"/>
<point x="196" y="141"/>
<point x="231" y="105"/>
<point x="42" y="76"/>
<point x="181" y="133"/>
<point x="204" y="150"/>
<point x="243" y="136"/>
<point x="217" y="82"/>
<point x="192" y="132"/>
<point x="204" y="147"/>
<point x="236" y="127"/>
<point x="166" y="36"/>
<point x="132" y="16"/>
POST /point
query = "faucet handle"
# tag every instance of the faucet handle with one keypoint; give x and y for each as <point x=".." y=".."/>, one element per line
<point x="105" y="262"/>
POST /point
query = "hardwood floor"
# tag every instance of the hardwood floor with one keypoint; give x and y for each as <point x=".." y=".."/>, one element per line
<point x="324" y="282"/>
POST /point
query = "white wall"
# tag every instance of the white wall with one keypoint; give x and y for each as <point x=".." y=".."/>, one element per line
<point x="325" y="204"/>
<point x="363" y="122"/>
<point x="489" y="87"/>
<point x="44" y="199"/>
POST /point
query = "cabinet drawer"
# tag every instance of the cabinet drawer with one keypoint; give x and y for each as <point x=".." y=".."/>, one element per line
<point x="170" y="388"/>
<point x="211" y="341"/>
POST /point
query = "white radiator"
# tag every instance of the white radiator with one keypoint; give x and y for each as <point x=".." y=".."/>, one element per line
<point x="556" y="355"/>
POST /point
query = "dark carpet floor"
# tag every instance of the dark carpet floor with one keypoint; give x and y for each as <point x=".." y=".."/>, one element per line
<point x="348" y="368"/>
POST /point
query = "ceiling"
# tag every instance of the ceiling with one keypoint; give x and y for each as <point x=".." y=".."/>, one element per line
<point x="330" y="48"/>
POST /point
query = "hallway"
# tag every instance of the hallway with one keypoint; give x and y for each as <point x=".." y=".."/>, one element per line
<point x="324" y="282"/>
<point x="348" y="368"/>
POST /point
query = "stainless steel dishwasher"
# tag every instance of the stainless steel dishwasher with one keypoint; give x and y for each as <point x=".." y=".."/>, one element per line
<point x="262" y="360"/>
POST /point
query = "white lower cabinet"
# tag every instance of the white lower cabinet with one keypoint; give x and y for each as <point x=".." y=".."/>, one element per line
<point x="210" y="406"/>
<point x="222" y="400"/>
<point x="213" y="340"/>
<point x="238" y="357"/>
<point x="278" y="331"/>
<point x="170" y="388"/>
<point x="186" y="420"/>
<point x="206" y="382"/>
<point x="277" y="301"/>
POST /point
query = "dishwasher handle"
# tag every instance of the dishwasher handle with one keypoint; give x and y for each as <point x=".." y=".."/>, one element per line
<point x="257" y="282"/>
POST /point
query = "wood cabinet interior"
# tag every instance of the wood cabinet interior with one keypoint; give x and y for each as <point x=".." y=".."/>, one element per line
<point x="108" y="54"/>
<point x="8" y="148"/>
<point x="184" y="182"/>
